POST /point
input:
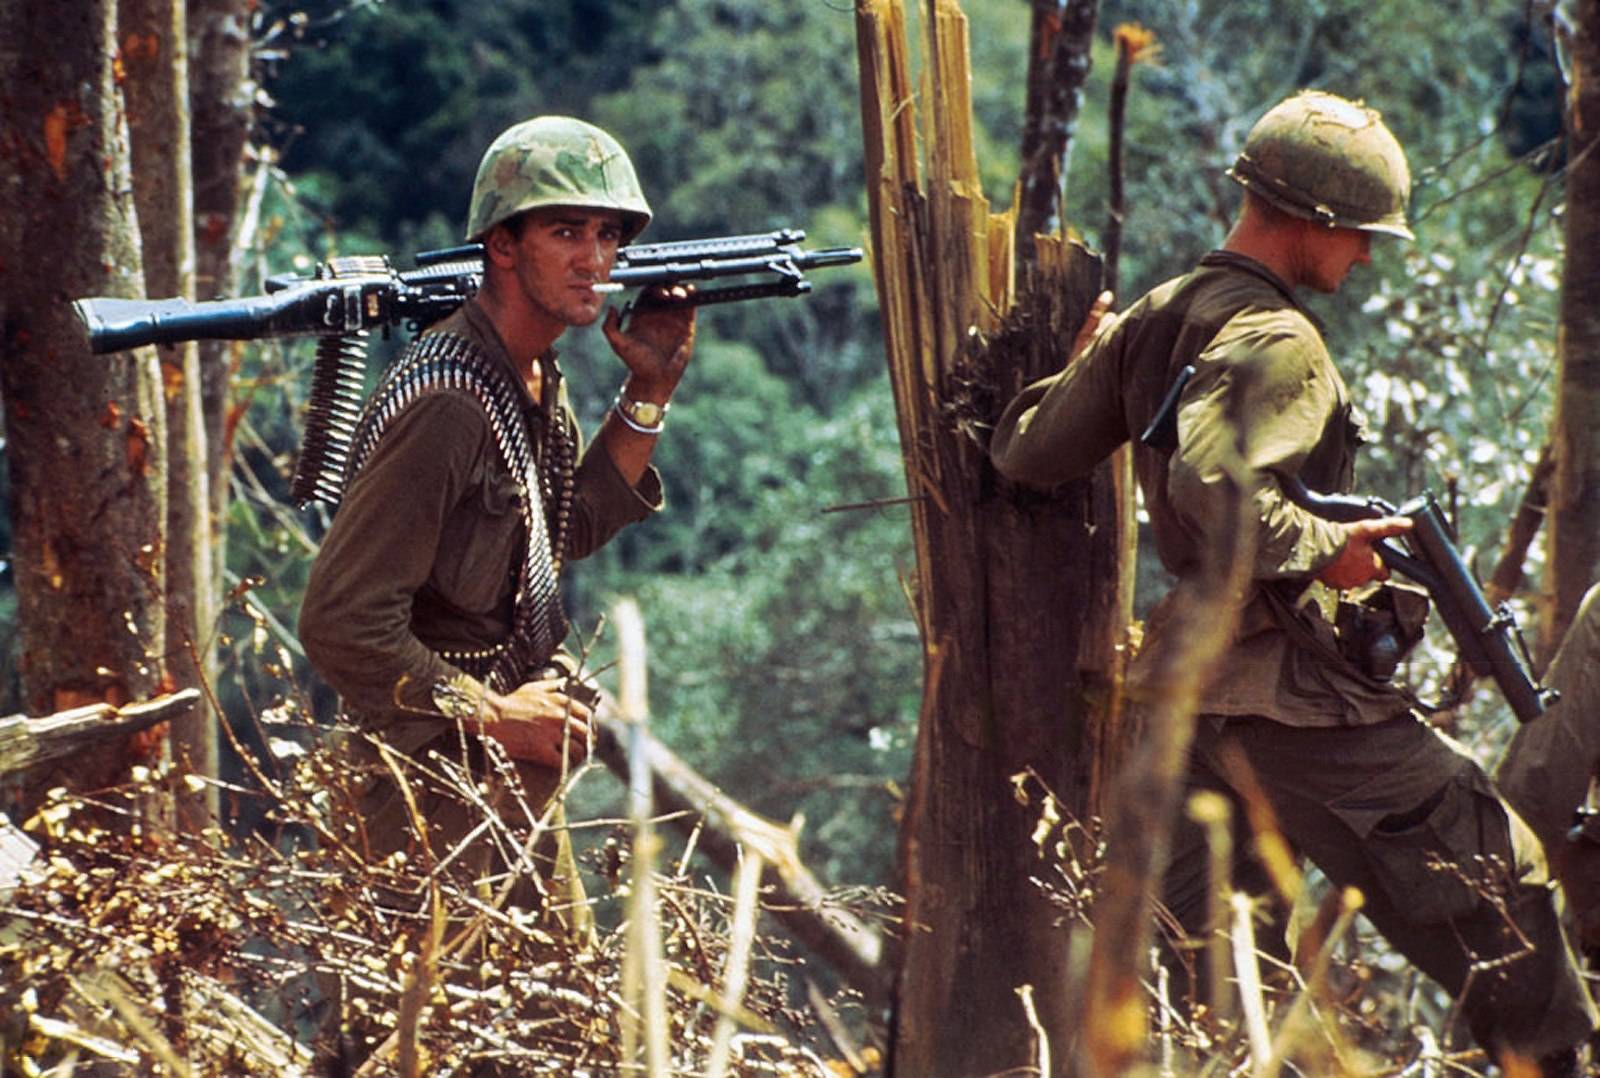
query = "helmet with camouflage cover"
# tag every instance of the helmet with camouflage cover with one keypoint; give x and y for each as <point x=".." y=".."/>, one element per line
<point x="555" y="161"/>
<point x="1320" y="157"/>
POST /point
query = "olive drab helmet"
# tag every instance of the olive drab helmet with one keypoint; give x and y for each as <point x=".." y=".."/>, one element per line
<point x="1320" y="157"/>
<point x="555" y="161"/>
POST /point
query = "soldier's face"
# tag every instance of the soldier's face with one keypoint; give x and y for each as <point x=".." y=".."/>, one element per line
<point x="1330" y="254"/>
<point x="560" y="255"/>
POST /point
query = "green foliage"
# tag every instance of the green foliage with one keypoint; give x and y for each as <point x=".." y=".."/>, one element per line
<point x="790" y="657"/>
<point x="394" y="103"/>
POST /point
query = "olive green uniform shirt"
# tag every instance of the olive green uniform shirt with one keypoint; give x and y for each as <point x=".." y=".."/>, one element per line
<point x="1264" y="384"/>
<point x="423" y="554"/>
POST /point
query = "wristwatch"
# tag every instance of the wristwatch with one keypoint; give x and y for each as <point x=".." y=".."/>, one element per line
<point x="646" y="417"/>
<point x="458" y="697"/>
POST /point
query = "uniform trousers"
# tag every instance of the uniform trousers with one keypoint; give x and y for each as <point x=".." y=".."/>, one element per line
<point x="1450" y="875"/>
<point x="476" y="859"/>
<point x="1548" y="766"/>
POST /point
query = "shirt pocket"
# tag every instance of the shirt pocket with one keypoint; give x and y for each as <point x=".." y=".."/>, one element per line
<point x="480" y="545"/>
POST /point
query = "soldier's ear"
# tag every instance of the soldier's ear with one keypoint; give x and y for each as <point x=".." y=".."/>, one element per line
<point x="499" y="246"/>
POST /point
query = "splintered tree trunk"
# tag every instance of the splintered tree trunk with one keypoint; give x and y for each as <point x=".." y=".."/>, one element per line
<point x="155" y="54"/>
<point x="86" y="438"/>
<point x="1574" y="531"/>
<point x="1007" y="585"/>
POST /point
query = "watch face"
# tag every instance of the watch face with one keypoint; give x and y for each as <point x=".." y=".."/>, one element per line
<point x="646" y="413"/>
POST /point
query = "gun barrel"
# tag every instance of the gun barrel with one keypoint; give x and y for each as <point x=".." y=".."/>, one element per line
<point x="642" y="254"/>
<point x="784" y="262"/>
<point x="115" y="325"/>
<point x="1486" y="636"/>
<point x="320" y="308"/>
<point x="831" y="256"/>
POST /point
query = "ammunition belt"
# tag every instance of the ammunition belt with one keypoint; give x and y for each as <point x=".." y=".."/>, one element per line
<point x="447" y="363"/>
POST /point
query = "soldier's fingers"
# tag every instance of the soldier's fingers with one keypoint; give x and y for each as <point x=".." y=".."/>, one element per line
<point x="1382" y="529"/>
<point x="1091" y="322"/>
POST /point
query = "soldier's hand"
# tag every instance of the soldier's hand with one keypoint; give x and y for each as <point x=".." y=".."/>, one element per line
<point x="1091" y="324"/>
<point x="537" y="719"/>
<point x="1358" y="562"/>
<point x="657" y="341"/>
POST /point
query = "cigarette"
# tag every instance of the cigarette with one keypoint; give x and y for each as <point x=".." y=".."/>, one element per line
<point x="608" y="286"/>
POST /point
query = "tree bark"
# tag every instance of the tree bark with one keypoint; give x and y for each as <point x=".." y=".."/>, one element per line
<point x="1574" y="531"/>
<point x="222" y="96"/>
<point x="155" y="51"/>
<point x="1001" y="591"/>
<point x="1059" y="57"/>
<point x="86" y="434"/>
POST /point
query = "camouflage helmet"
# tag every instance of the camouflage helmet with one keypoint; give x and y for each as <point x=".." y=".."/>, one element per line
<point x="555" y="161"/>
<point x="1320" y="157"/>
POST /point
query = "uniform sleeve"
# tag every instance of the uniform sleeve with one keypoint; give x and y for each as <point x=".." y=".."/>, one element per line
<point x="602" y="501"/>
<point x="1266" y="390"/>
<point x="1060" y="427"/>
<point x="355" y="620"/>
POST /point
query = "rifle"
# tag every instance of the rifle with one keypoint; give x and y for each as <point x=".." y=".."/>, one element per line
<point x="346" y="298"/>
<point x="1488" y="638"/>
<point x="356" y="294"/>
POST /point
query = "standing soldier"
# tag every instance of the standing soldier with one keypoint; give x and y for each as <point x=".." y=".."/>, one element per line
<point x="434" y="606"/>
<point x="1357" y="781"/>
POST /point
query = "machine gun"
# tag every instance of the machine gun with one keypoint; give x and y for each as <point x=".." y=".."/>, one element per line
<point x="347" y="298"/>
<point x="1488" y="638"/>
<point x="357" y="294"/>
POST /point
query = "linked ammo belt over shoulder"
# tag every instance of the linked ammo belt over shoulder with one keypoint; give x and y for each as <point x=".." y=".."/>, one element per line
<point x="448" y="363"/>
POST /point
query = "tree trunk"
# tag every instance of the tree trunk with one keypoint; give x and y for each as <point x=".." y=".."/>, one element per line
<point x="1002" y="588"/>
<point x="222" y="112"/>
<point x="155" y="53"/>
<point x="1059" y="57"/>
<point x="1574" y="531"/>
<point x="87" y="434"/>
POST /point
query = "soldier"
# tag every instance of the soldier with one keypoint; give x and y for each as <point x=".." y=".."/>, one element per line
<point x="1550" y="764"/>
<point x="434" y="607"/>
<point x="1356" y="780"/>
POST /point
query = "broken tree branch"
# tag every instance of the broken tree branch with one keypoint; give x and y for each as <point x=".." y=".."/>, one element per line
<point x="852" y="947"/>
<point x="26" y="741"/>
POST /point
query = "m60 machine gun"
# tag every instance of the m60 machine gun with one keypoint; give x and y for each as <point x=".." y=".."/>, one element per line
<point x="345" y="299"/>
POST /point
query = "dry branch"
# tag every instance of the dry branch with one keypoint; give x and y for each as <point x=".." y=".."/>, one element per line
<point x="1203" y="612"/>
<point x="177" y="916"/>
<point x="27" y="741"/>
<point x="853" y="948"/>
<point x="1061" y="39"/>
<point x="1507" y="576"/>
